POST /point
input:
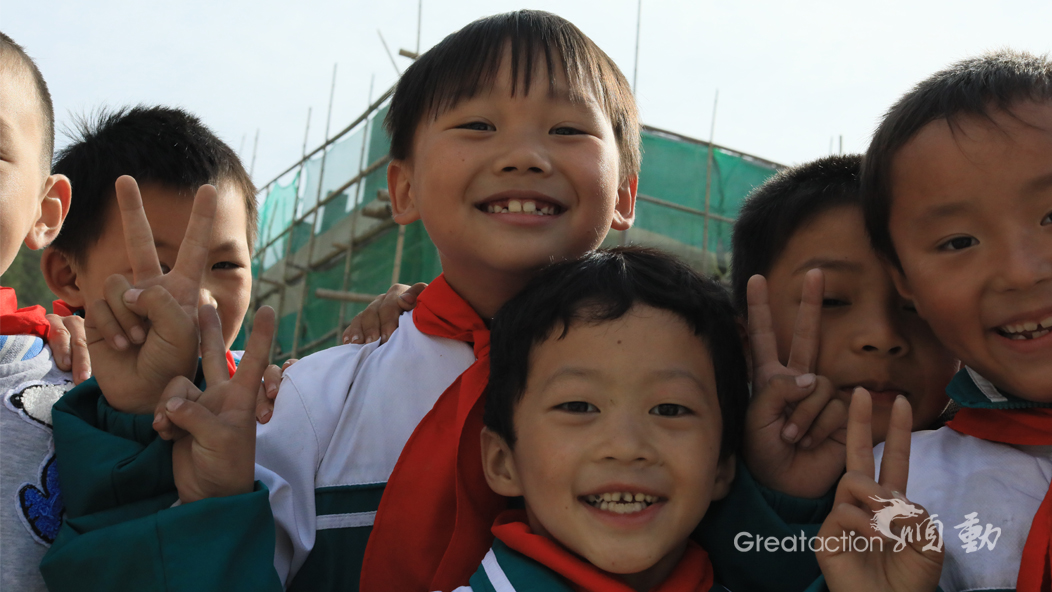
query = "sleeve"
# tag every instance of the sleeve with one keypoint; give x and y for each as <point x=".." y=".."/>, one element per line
<point x="758" y="538"/>
<point x="121" y="531"/>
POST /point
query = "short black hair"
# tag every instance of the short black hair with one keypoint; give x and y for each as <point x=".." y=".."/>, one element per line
<point x="162" y="145"/>
<point x="973" y="87"/>
<point x="11" y="50"/>
<point x="466" y="62"/>
<point x="777" y="209"/>
<point x="603" y="286"/>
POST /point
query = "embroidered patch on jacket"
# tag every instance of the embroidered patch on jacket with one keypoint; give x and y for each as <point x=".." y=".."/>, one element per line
<point x="40" y="507"/>
<point x="33" y="400"/>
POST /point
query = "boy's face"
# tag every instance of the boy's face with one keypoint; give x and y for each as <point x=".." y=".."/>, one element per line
<point x="971" y="221"/>
<point x="22" y="172"/>
<point x="869" y="336"/>
<point x="227" y="281"/>
<point x="506" y="184"/>
<point x="626" y="406"/>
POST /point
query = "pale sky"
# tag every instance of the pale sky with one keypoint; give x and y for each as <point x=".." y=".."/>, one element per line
<point x="791" y="75"/>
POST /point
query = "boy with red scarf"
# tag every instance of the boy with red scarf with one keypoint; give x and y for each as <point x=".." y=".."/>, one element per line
<point x="957" y="186"/>
<point x="33" y="205"/>
<point x="516" y="142"/>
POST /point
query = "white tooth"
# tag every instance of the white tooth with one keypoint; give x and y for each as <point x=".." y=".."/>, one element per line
<point x="1029" y="326"/>
<point x="1018" y="328"/>
<point x="1040" y="333"/>
<point x="626" y="496"/>
<point x="547" y="210"/>
<point x="1046" y="324"/>
<point x="639" y="507"/>
<point x="1017" y="337"/>
<point x="604" y="506"/>
<point x="608" y="497"/>
<point x="616" y="496"/>
<point x="529" y="207"/>
<point x="617" y="508"/>
<point x="514" y="206"/>
<point x="640" y="497"/>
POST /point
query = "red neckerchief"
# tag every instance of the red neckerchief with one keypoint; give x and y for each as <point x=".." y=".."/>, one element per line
<point x="693" y="573"/>
<point x="437" y="508"/>
<point x="1021" y="427"/>
<point x="64" y="309"/>
<point x="21" y="321"/>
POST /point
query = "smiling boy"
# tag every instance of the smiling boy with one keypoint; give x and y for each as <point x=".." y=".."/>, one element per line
<point x="615" y="406"/>
<point x="520" y="111"/>
<point x="958" y="190"/>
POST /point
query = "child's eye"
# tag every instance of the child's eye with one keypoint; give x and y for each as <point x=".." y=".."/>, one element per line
<point x="1047" y="219"/>
<point x="226" y="265"/>
<point x="577" y="407"/>
<point x="566" y="131"/>
<point x="958" y="243"/>
<point x="478" y="126"/>
<point x="669" y="410"/>
<point x="834" y="303"/>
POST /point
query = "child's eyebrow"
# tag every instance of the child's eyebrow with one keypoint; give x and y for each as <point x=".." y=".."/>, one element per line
<point x="825" y="263"/>
<point x="1040" y="183"/>
<point x="661" y="375"/>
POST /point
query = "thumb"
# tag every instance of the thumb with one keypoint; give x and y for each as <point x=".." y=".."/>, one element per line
<point x="190" y="416"/>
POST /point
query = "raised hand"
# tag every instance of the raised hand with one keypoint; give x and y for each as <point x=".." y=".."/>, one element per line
<point x="903" y="545"/>
<point x="69" y="346"/>
<point x="134" y="359"/>
<point x="215" y="455"/>
<point x="380" y="318"/>
<point x="792" y="438"/>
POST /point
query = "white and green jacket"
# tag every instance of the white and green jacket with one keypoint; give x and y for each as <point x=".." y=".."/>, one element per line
<point x="341" y="419"/>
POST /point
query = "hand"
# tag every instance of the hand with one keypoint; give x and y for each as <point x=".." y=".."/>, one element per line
<point x="216" y="456"/>
<point x="69" y="346"/>
<point x="268" y="391"/>
<point x="793" y="438"/>
<point x="910" y="556"/>
<point x="380" y="318"/>
<point x="134" y="360"/>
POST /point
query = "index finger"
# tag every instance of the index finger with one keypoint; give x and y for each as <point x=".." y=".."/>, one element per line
<point x="138" y="238"/>
<point x="895" y="464"/>
<point x="193" y="251"/>
<point x="860" y="433"/>
<point x="213" y="350"/>
<point x="250" y="371"/>
<point x="804" y="349"/>
<point x="761" y="328"/>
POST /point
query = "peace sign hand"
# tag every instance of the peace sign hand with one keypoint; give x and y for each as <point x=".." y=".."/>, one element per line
<point x="133" y="359"/>
<point x="792" y="442"/>
<point x="903" y="546"/>
<point x="215" y="456"/>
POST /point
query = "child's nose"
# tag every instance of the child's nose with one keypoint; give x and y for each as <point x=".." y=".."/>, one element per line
<point x="879" y="333"/>
<point x="1025" y="262"/>
<point x="523" y="155"/>
<point x="205" y="297"/>
<point x="625" y="439"/>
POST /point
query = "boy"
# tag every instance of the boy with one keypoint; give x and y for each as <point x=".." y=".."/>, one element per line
<point x="957" y="198"/>
<point x="615" y="406"/>
<point x="33" y="205"/>
<point x="518" y="112"/>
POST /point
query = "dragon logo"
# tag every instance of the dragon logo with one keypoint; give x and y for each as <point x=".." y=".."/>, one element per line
<point x="929" y="529"/>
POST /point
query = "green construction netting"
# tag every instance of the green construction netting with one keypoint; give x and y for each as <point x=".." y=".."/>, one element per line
<point x="674" y="170"/>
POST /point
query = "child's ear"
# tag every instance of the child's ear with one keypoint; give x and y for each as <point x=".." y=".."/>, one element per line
<point x="625" y="210"/>
<point x="61" y="277"/>
<point x="54" y="205"/>
<point x="725" y="471"/>
<point x="403" y="196"/>
<point x="902" y="284"/>
<point x="499" y="465"/>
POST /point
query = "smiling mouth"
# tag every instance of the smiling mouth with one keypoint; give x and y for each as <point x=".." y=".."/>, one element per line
<point x="621" y="502"/>
<point x="535" y="207"/>
<point x="1027" y="330"/>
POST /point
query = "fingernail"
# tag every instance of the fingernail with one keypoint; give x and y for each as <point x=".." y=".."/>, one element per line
<point x="132" y="295"/>
<point x="806" y="442"/>
<point x="264" y="416"/>
<point x="356" y="338"/>
<point x="346" y="340"/>
<point x="271" y="389"/>
<point x="157" y="417"/>
<point x="371" y="339"/>
<point x="790" y="431"/>
<point x="386" y="336"/>
<point x="805" y="380"/>
<point x="408" y="297"/>
<point x="66" y="361"/>
<point x="137" y="334"/>
<point x="173" y="403"/>
<point x="84" y="376"/>
<point x="120" y="342"/>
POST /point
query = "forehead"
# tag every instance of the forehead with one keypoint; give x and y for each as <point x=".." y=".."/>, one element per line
<point x="168" y="210"/>
<point x="21" y="116"/>
<point x="834" y="240"/>
<point x="974" y="158"/>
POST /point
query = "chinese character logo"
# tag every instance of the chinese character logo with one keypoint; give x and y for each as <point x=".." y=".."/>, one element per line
<point x="974" y="537"/>
<point x="929" y="530"/>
